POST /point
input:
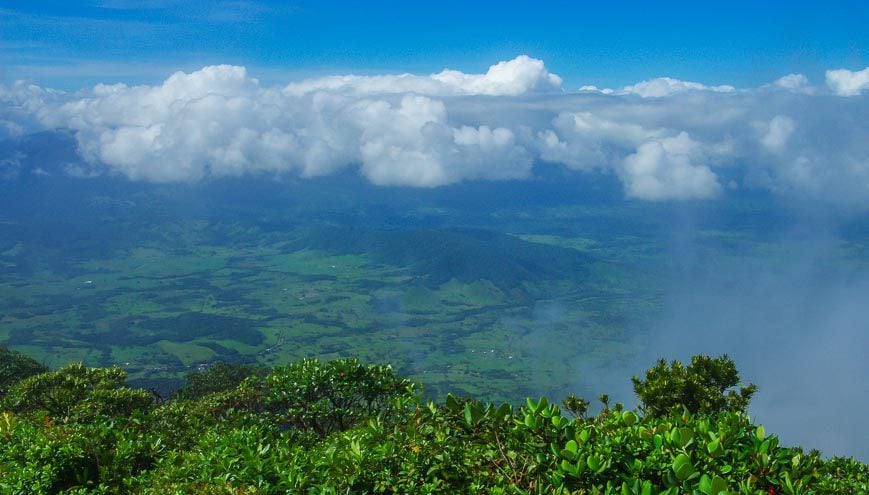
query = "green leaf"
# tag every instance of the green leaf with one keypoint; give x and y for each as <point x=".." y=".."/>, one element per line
<point x="452" y="403"/>
<point x="532" y="406"/>
<point x="568" y="467"/>
<point x="569" y="451"/>
<point x="559" y="421"/>
<point x="682" y="467"/>
<point x="719" y="486"/>
<point x="674" y="437"/>
<point x="685" y="436"/>
<point x="647" y="488"/>
<point x="760" y="432"/>
<point x="705" y="484"/>
<point x="714" y="448"/>
<point x="713" y="486"/>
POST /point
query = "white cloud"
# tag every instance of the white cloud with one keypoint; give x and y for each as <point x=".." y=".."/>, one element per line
<point x="218" y="121"/>
<point x="666" y="86"/>
<point x="777" y="133"/>
<point x="519" y="76"/>
<point x="793" y="82"/>
<point x="515" y="77"/>
<point x="410" y="144"/>
<point x="669" y="168"/>
<point x="844" y="82"/>
<point x="586" y="141"/>
<point x="682" y="140"/>
<point x="21" y="104"/>
<point x="590" y="88"/>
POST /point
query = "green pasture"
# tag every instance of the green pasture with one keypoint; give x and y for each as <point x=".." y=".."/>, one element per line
<point x="495" y="304"/>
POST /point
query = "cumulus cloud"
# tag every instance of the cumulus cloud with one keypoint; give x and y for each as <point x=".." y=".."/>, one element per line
<point x="659" y="87"/>
<point x="794" y="82"/>
<point x="586" y="140"/>
<point x="21" y="106"/>
<point x="665" y="139"/>
<point x="666" y="86"/>
<point x="844" y="82"/>
<point x="777" y="133"/>
<point x="411" y="144"/>
<point x="669" y="168"/>
<point x="519" y="76"/>
<point x="219" y="121"/>
<point x="591" y="88"/>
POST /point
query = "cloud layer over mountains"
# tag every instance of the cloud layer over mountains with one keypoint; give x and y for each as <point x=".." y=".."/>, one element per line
<point x="663" y="138"/>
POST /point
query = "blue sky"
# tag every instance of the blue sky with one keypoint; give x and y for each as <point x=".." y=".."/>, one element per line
<point x="73" y="44"/>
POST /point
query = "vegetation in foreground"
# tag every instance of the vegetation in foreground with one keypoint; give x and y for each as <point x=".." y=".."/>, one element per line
<point x="343" y="427"/>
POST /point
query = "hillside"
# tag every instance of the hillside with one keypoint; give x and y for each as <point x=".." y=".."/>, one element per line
<point x="467" y="255"/>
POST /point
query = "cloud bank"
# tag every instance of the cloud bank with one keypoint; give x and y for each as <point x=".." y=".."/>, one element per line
<point x="665" y="139"/>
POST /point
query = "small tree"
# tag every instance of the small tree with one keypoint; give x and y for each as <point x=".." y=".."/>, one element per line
<point x="76" y="391"/>
<point x="15" y="367"/>
<point x="332" y="396"/>
<point x="707" y="385"/>
<point x="216" y="378"/>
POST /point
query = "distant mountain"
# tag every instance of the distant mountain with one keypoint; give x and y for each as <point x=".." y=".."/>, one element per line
<point x="467" y="255"/>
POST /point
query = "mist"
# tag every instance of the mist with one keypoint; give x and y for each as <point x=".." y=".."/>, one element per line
<point x="790" y="310"/>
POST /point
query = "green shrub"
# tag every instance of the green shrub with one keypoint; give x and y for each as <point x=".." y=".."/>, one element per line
<point x="707" y="385"/>
<point x="342" y="427"/>
<point x="76" y="391"/>
<point x="15" y="367"/>
<point x="332" y="396"/>
<point x="219" y="377"/>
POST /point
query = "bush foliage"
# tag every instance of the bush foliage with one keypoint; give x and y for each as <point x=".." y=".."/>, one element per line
<point x="15" y="367"/>
<point x="344" y="427"/>
<point x="707" y="385"/>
